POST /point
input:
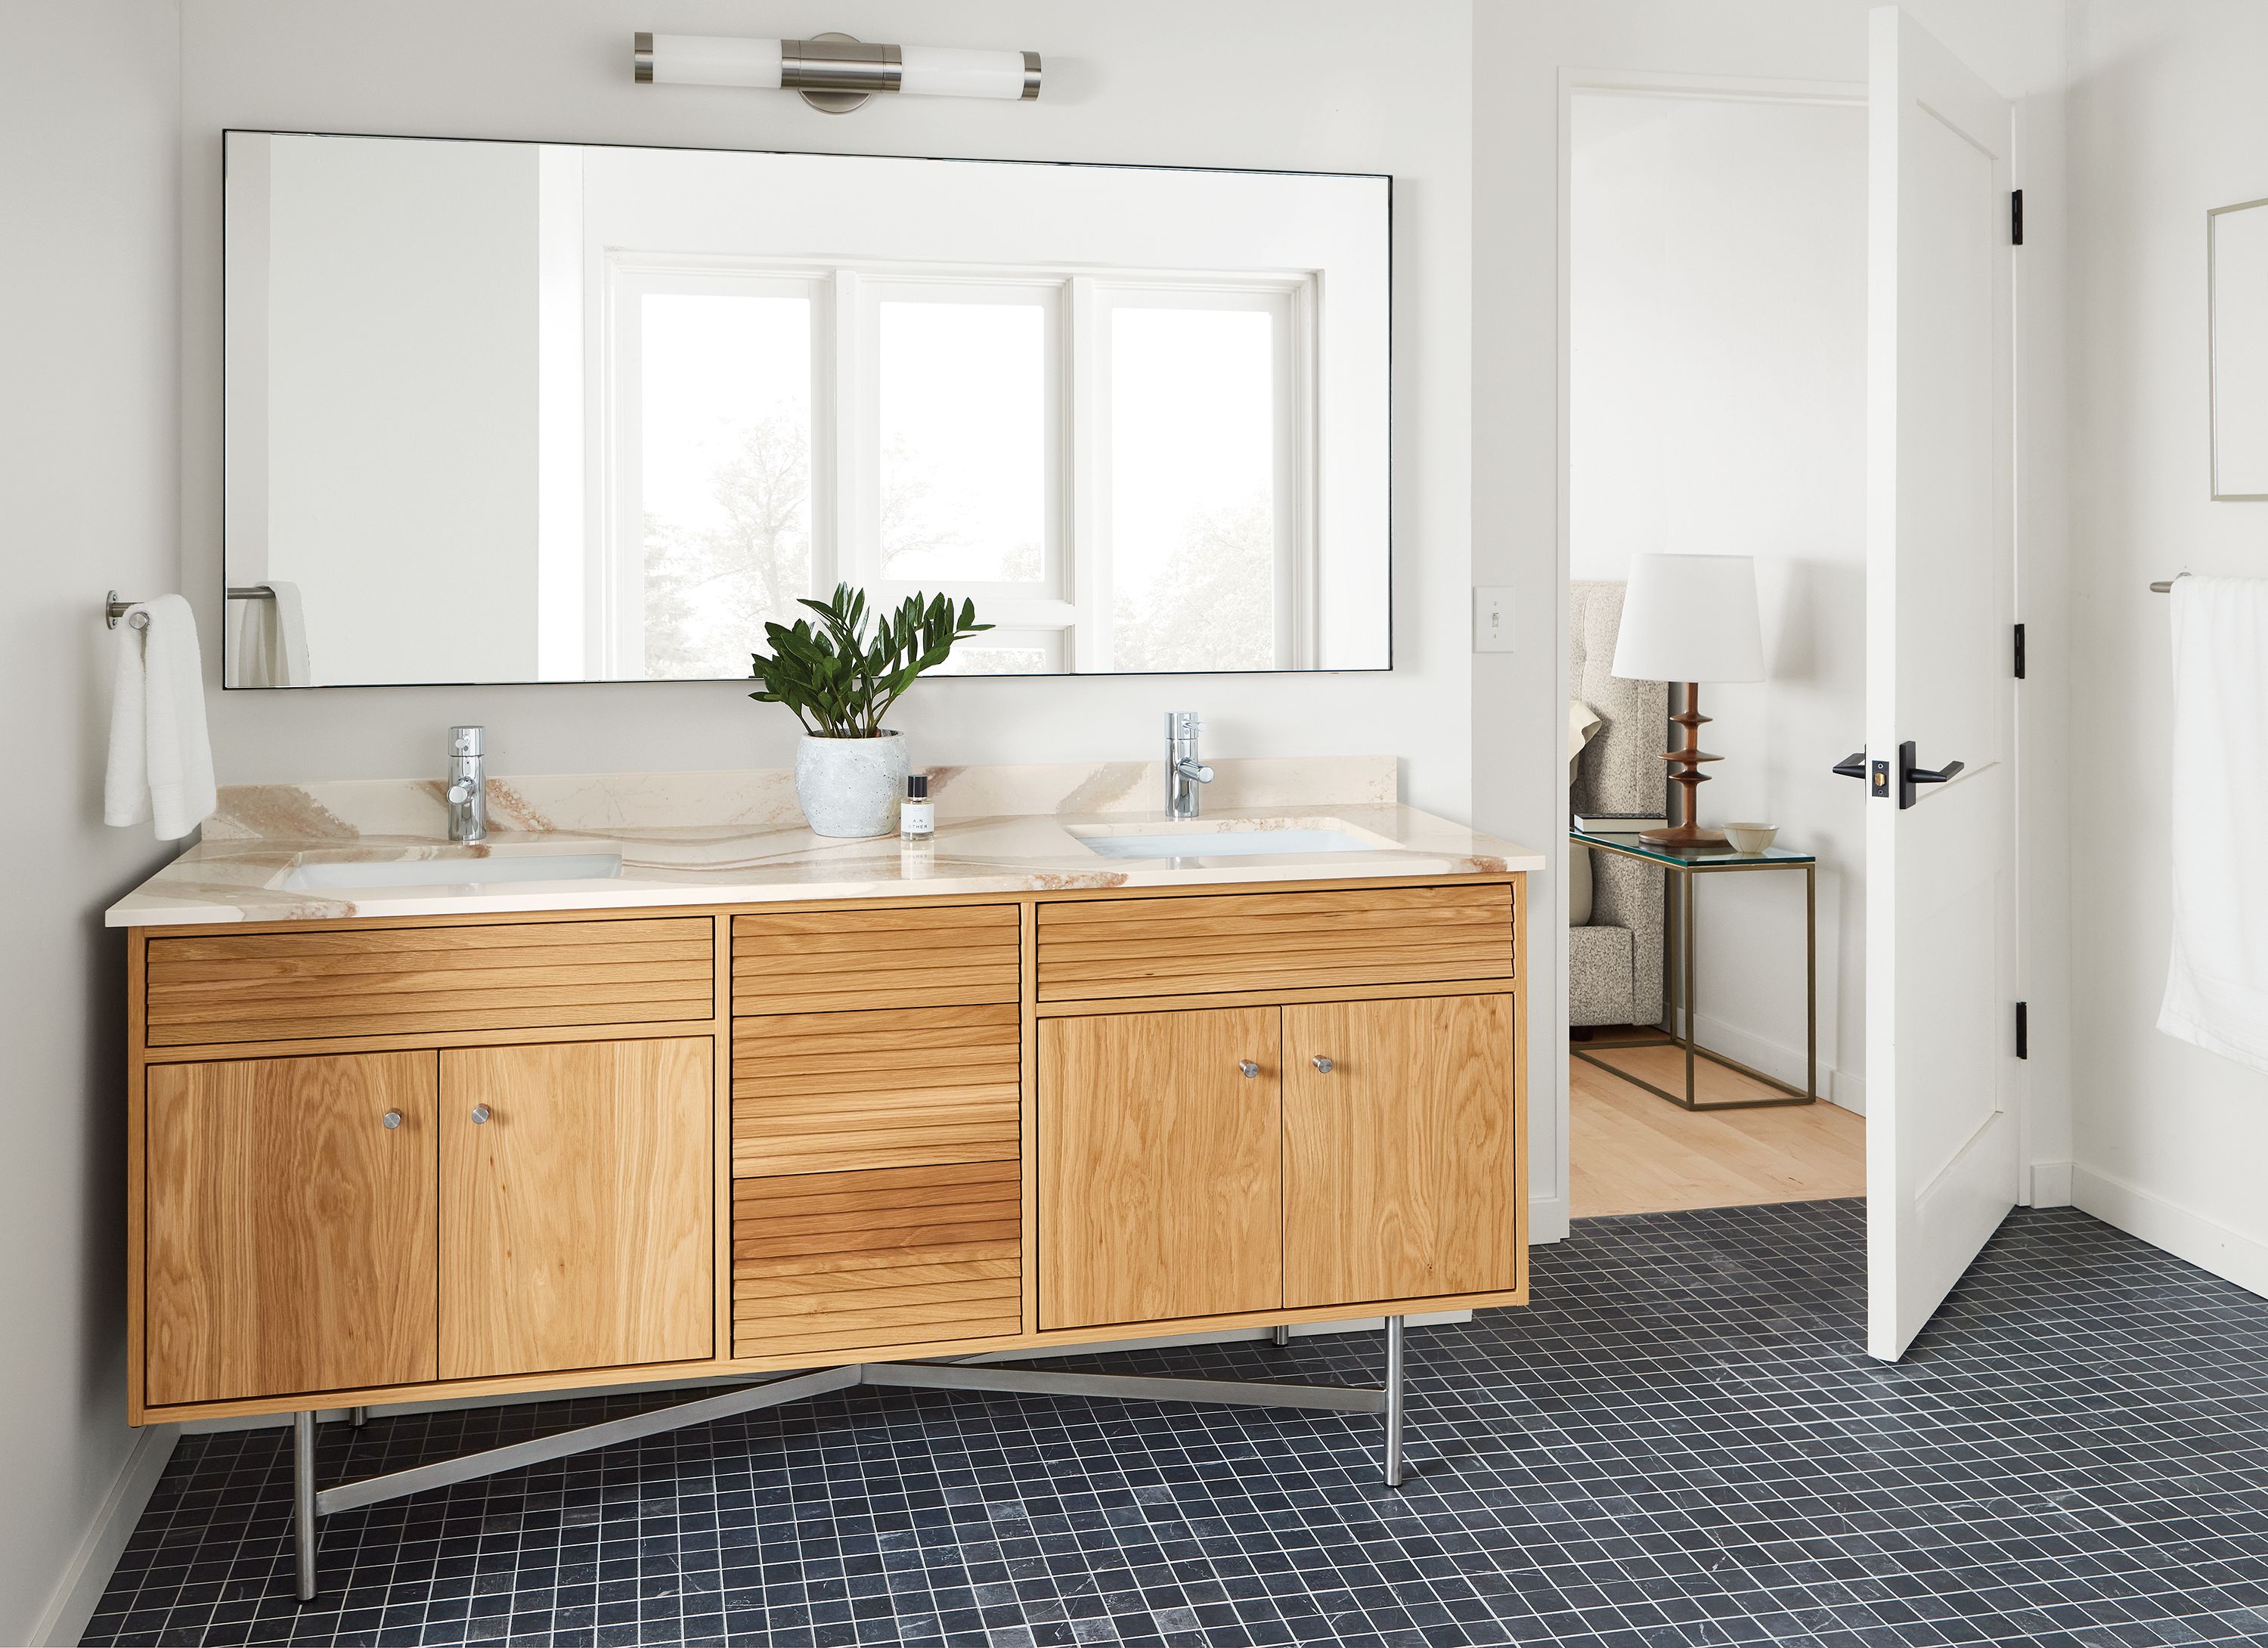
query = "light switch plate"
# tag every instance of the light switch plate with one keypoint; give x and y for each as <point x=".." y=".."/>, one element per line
<point x="1491" y="618"/>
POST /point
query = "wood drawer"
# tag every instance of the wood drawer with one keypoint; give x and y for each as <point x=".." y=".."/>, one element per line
<point x="1097" y="949"/>
<point x="834" y="960"/>
<point x="281" y="987"/>
<point x="821" y="1093"/>
<point x="895" y="1255"/>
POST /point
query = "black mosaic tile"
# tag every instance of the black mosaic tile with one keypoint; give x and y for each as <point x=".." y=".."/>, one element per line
<point x="1680" y="1444"/>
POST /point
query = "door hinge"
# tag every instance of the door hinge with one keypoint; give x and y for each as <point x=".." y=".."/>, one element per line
<point x="2019" y="652"/>
<point x="2023" y="1030"/>
<point x="2016" y="218"/>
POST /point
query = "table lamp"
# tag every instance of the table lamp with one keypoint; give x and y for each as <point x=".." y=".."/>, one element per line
<point x="1690" y="618"/>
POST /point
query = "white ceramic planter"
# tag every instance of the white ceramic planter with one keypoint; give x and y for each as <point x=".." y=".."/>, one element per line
<point x="850" y="786"/>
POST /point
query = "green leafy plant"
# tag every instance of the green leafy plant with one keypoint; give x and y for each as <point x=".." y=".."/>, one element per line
<point x="841" y="675"/>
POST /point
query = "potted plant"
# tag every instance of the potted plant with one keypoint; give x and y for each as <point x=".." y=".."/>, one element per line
<point x="840" y="681"/>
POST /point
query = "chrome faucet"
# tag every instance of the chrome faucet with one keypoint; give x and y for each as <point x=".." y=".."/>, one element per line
<point x="1184" y="772"/>
<point x="468" y="785"/>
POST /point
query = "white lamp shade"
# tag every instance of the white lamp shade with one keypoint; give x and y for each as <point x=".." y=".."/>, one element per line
<point x="1690" y="618"/>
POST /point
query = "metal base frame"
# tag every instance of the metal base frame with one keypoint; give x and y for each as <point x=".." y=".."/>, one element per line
<point x="310" y="1502"/>
<point x="1681" y="938"/>
<point x="1693" y="1051"/>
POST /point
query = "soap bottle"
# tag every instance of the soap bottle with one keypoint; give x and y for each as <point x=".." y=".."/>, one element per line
<point x="918" y="818"/>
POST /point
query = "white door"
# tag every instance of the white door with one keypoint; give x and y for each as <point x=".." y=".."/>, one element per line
<point x="1942" y="1133"/>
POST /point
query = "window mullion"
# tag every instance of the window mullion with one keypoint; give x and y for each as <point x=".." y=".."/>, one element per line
<point x="1087" y="464"/>
<point x="857" y="558"/>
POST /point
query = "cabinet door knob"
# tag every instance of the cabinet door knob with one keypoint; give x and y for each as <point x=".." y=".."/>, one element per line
<point x="1248" y="1068"/>
<point x="1322" y="1064"/>
<point x="480" y="1114"/>
<point x="390" y="1120"/>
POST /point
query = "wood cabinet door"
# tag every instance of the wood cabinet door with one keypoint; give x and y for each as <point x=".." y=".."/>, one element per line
<point x="1159" y="1183"/>
<point x="1402" y="1161"/>
<point x="577" y="1193"/>
<point x="289" y="1233"/>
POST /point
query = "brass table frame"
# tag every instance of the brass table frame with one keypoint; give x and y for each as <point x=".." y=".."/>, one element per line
<point x="1686" y="870"/>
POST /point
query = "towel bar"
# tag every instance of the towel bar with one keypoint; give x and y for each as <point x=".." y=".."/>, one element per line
<point x="114" y="607"/>
<point x="2165" y="586"/>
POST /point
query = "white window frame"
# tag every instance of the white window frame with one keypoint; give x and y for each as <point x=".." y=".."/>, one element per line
<point x="1289" y="303"/>
<point x="1069" y="617"/>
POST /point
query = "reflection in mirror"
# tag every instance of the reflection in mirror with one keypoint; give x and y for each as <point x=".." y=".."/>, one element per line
<point x="510" y="412"/>
<point x="2237" y="256"/>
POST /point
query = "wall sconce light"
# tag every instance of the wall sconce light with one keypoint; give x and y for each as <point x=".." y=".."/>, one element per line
<point x="833" y="72"/>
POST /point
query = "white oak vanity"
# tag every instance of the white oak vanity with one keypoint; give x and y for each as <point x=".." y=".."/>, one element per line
<point x="379" y="1157"/>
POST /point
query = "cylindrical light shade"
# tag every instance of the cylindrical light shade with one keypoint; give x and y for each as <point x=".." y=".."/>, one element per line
<point x="709" y="59"/>
<point x="955" y="71"/>
<point x="835" y="67"/>
<point x="1690" y="618"/>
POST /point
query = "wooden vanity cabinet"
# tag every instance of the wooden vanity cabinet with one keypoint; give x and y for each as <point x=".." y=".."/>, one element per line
<point x="877" y="1129"/>
<point x="326" y="1223"/>
<point x="628" y="1148"/>
<point x="576" y="1198"/>
<point x="290" y="1221"/>
<point x="1160" y="1182"/>
<point x="1400" y="1159"/>
<point x="1212" y="1162"/>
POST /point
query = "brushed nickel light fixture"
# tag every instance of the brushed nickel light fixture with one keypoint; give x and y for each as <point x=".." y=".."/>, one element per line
<point x="833" y="72"/>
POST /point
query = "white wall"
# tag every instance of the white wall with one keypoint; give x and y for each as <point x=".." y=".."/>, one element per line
<point x="1522" y="55"/>
<point x="1717" y="334"/>
<point x="1277" y="83"/>
<point x="400" y="404"/>
<point x="2166" y="122"/>
<point x="88" y="189"/>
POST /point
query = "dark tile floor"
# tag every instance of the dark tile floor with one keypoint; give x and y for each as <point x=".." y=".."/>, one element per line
<point x="1679" y="1443"/>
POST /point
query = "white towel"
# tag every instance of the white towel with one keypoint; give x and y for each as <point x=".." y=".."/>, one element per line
<point x="270" y="647"/>
<point x="160" y="756"/>
<point x="2217" y="980"/>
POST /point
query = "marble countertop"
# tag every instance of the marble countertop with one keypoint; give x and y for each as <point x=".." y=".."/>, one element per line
<point x="737" y="838"/>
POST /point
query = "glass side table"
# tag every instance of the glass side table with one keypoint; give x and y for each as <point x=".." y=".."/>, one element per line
<point x="1685" y="865"/>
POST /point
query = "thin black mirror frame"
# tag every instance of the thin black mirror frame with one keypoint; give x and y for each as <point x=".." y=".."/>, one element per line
<point x="1385" y="178"/>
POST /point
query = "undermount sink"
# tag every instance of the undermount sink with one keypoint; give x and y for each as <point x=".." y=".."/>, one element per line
<point x="455" y="872"/>
<point x="1227" y="838"/>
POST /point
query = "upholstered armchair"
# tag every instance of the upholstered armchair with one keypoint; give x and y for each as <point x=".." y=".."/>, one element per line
<point x="1614" y="904"/>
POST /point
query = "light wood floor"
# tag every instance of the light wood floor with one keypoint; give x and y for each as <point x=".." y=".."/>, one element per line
<point x="1631" y="1152"/>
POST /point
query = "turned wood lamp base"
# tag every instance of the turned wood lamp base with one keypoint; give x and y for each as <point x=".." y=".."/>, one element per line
<point x="1685" y="772"/>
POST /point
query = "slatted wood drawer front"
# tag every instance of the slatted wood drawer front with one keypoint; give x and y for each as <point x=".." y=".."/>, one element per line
<point x="832" y="960"/>
<point x="1097" y="949"/>
<point x="895" y="1255"/>
<point x="263" y="986"/>
<point x="907" y="1087"/>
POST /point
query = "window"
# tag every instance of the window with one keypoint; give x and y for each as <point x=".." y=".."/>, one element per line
<point x="1113" y="467"/>
<point x="1202" y="557"/>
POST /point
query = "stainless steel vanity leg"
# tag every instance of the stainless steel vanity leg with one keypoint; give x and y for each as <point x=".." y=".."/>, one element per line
<point x="303" y="1500"/>
<point x="357" y="1417"/>
<point x="1393" y="1402"/>
<point x="1283" y="1335"/>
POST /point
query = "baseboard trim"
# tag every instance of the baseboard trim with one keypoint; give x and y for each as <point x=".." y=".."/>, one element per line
<point x="2205" y="1243"/>
<point x="87" y="1575"/>
<point x="1547" y="1220"/>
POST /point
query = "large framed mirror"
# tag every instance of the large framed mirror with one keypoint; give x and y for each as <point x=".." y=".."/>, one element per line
<point x="504" y="412"/>
<point x="2236" y="262"/>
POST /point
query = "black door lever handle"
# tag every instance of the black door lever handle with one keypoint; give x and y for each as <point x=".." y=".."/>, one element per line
<point x="1910" y="777"/>
<point x="1851" y="766"/>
